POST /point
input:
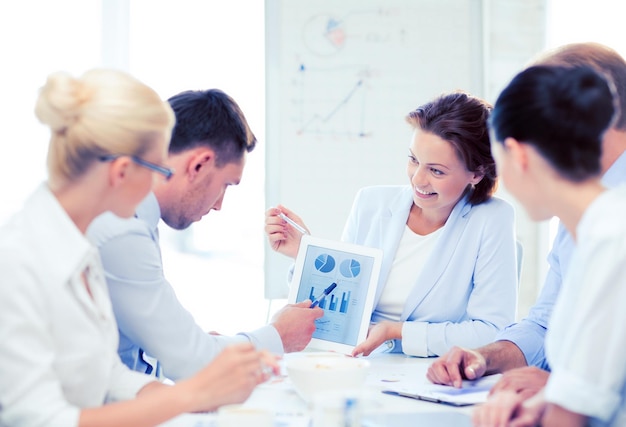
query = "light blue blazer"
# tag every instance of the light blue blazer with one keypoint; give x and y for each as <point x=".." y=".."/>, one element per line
<point x="467" y="291"/>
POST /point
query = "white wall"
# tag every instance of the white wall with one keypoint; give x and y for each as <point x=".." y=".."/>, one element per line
<point x="36" y="38"/>
<point x="515" y="32"/>
<point x="341" y="78"/>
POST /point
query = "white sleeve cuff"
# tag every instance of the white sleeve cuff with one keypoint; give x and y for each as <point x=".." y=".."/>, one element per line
<point x="126" y="383"/>
<point x="415" y="338"/>
<point x="577" y="395"/>
<point x="266" y="338"/>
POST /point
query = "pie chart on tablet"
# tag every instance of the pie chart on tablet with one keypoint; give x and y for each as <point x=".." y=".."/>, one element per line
<point x="324" y="263"/>
<point x="350" y="268"/>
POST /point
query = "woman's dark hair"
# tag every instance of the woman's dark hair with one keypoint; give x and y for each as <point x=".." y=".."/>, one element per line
<point x="562" y="111"/>
<point x="462" y="120"/>
<point x="601" y="58"/>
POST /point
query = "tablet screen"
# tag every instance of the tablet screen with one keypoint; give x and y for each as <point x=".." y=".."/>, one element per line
<point x="348" y="308"/>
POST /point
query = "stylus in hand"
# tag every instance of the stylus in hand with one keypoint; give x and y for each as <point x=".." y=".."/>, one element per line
<point x="293" y="223"/>
<point x="328" y="290"/>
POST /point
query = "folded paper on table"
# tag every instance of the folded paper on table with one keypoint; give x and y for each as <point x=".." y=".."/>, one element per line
<point x="471" y="393"/>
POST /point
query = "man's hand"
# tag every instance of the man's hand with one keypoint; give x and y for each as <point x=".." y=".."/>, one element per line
<point x="459" y="363"/>
<point x="455" y="365"/>
<point x="295" y="324"/>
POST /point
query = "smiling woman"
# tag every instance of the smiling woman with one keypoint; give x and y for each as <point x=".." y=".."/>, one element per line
<point x="448" y="156"/>
<point x="448" y="275"/>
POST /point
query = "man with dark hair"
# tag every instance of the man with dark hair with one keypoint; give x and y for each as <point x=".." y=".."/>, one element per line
<point x="208" y="152"/>
<point x="521" y="345"/>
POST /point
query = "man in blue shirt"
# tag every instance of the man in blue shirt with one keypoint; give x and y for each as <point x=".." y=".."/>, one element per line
<point x="208" y="152"/>
<point x="521" y="345"/>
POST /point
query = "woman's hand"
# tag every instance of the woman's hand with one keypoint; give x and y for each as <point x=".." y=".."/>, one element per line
<point x="528" y="378"/>
<point x="378" y="334"/>
<point x="230" y="377"/>
<point x="283" y="237"/>
<point x="510" y="409"/>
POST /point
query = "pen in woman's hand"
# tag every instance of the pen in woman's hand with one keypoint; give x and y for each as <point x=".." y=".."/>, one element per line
<point x="293" y="223"/>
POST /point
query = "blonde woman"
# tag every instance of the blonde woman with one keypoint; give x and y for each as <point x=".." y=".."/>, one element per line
<point x="58" y="336"/>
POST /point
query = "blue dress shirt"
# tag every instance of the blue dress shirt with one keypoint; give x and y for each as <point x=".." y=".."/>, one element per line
<point x="151" y="320"/>
<point x="529" y="334"/>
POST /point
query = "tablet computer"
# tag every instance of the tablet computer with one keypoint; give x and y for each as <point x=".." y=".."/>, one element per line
<point x="348" y="308"/>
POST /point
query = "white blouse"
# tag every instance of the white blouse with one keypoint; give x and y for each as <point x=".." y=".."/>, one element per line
<point x="58" y="343"/>
<point x="408" y="263"/>
<point x="586" y="343"/>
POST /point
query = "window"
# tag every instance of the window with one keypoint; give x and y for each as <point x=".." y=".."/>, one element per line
<point x="573" y="21"/>
<point x="35" y="42"/>
<point x="216" y="266"/>
<point x="171" y="46"/>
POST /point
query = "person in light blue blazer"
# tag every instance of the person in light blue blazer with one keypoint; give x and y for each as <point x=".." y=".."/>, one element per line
<point x="449" y="273"/>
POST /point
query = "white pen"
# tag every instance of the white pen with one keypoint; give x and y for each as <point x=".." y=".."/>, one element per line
<point x="293" y="223"/>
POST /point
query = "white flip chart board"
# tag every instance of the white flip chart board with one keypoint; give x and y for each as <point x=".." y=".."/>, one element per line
<point x="341" y="77"/>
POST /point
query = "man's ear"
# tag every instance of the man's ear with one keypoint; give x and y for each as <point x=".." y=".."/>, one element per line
<point x="199" y="161"/>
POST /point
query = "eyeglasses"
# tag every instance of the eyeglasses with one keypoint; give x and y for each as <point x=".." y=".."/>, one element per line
<point x="166" y="172"/>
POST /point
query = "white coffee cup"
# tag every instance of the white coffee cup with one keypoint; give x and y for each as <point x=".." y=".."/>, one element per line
<point x="242" y="416"/>
<point x="341" y="408"/>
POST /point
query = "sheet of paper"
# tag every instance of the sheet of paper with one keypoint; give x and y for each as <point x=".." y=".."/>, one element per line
<point x="472" y="392"/>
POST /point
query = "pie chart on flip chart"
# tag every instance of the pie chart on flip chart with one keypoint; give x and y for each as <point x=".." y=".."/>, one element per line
<point x="325" y="263"/>
<point x="350" y="268"/>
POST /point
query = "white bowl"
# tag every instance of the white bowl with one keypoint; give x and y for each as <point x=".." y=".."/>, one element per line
<point x="315" y="374"/>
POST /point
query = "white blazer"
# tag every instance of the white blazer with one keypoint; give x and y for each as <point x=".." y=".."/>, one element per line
<point x="467" y="291"/>
<point x="58" y="344"/>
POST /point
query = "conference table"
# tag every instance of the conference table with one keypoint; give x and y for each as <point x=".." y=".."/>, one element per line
<point x="386" y="371"/>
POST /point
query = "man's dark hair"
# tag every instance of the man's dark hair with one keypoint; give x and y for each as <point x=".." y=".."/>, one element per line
<point x="210" y="118"/>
